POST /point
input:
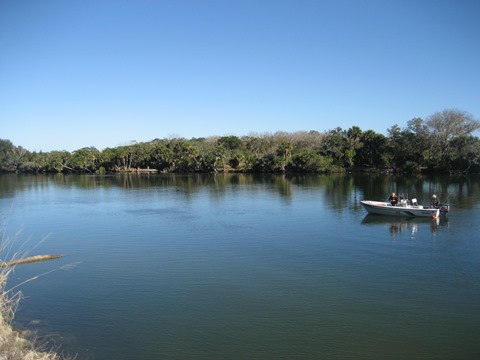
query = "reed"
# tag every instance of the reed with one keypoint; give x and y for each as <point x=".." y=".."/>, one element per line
<point x="13" y="346"/>
<point x="30" y="259"/>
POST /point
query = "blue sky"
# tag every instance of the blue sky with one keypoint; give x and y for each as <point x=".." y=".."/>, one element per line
<point x="106" y="72"/>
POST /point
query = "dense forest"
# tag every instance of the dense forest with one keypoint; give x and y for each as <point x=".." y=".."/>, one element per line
<point x="441" y="143"/>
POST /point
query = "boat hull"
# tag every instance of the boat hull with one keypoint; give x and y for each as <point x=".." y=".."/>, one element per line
<point x="383" y="208"/>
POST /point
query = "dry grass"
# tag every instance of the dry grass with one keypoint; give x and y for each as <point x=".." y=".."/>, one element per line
<point x="13" y="346"/>
<point x="30" y="259"/>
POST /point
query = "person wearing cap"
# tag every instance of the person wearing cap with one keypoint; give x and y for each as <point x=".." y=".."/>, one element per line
<point x="434" y="201"/>
<point x="393" y="199"/>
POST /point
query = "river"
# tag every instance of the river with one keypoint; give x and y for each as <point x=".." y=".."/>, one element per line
<point x="244" y="266"/>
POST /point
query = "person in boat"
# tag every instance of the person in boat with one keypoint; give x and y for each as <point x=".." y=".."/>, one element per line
<point x="393" y="199"/>
<point x="434" y="201"/>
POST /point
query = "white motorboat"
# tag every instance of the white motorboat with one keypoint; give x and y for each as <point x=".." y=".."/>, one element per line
<point x="404" y="208"/>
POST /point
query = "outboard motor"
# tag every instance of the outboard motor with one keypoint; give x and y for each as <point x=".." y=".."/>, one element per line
<point x="444" y="208"/>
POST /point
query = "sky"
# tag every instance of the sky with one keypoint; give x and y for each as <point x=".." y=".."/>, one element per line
<point x="106" y="73"/>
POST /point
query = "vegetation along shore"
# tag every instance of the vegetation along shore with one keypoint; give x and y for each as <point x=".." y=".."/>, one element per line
<point x="441" y="143"/>
<point x="13" y="344"/>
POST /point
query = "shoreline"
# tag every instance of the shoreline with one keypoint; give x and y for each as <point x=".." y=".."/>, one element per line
<point x="13" y="345"/>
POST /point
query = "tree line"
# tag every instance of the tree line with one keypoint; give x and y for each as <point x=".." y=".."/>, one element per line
<point x="441" y="143"/>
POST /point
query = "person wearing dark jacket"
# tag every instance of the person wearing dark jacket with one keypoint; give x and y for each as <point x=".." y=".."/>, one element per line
<point x="434" y="201"/>
<point x="393" y="199"/>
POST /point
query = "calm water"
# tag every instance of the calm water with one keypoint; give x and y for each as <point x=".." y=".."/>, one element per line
<point x="244" y="267"/>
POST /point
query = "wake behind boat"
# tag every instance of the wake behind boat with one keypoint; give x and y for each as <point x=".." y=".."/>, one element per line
<point x="404" y="208"/>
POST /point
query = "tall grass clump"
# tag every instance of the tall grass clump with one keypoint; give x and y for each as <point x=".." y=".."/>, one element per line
<point x="13" y="346"/>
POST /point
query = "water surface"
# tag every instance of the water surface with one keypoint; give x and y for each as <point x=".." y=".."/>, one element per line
<point x="246" y="267"/>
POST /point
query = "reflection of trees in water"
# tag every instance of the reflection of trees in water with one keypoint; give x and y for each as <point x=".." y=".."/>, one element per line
<point x="188" y="184"/>
<point x="338" y="190"/>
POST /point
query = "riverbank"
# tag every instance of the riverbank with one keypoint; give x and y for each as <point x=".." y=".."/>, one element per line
<point x="14" y="346"/>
